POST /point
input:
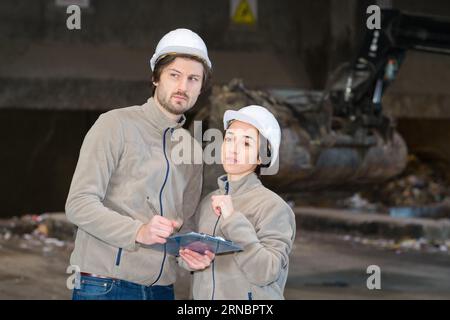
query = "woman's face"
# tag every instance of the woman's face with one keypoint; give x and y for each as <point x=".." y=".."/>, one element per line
<point x="240" y="148"/>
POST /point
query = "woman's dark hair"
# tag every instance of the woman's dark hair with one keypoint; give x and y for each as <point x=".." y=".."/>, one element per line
<point x="263" y="143"/>
<point x="169" y="58"/>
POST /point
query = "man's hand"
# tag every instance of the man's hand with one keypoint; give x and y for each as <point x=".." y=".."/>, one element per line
<point x="222" y="205"/>
<point x="196" y="261"/>
<point x="156" y="230"/>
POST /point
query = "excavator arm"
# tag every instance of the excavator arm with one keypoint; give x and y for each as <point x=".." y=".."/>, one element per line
<point x="359" y="90"/>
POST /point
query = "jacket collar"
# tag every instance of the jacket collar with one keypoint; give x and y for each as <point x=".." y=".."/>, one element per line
<point x="240" y="186"/>
<point x="158" y="119"/>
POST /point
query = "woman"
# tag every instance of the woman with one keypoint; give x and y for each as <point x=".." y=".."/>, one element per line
<point x="244" y="211"/>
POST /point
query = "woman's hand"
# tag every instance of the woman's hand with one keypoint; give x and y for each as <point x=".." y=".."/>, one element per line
<point x="196" y="261"/>
<point x="222" y="205"/>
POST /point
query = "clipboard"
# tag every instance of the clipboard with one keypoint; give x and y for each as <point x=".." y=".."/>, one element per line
<point x="198" y="242"/>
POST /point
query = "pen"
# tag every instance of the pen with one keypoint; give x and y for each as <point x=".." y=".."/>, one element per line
<point x="152" y="208"/>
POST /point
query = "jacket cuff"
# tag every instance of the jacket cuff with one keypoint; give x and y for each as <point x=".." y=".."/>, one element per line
<point x="133" y="245"/>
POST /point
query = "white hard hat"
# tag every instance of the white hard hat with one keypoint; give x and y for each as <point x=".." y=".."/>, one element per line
<point x="263" y="120"/>
<point x="181" y="41"/>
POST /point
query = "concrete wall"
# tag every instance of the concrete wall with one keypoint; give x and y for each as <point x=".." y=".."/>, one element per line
<point x="296" y="33"/>
<point x="38" y="158"/>
<point x="306" y="39"/>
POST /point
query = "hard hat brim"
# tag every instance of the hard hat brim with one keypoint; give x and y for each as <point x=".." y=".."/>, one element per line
<point x="180" y="50"/>
<point x="235" y="115"/>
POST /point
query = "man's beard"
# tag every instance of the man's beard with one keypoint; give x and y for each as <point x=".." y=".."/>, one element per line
<point x="167" y="105"/>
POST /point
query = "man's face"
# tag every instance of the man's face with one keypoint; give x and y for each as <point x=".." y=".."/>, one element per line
<point x="179" y="85"/>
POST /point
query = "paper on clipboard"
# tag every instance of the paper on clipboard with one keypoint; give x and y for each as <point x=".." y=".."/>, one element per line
<point x="198" y="242"/>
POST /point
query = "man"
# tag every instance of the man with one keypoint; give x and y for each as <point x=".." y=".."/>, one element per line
<point x="127" y="190"/>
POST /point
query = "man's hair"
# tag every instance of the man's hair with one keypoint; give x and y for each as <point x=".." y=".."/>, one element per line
<point x="168" y="59"/>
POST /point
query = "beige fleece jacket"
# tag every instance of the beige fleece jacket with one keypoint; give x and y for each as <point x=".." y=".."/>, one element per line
<point x="264" y="225"/>
<point x="125" y="174"/>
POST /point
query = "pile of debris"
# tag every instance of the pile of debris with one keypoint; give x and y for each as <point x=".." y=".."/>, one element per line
<point x="422" y="190"/>
<point x="53" y="225"/>
<point x="420" y="184"/>
<point x="403" y="245"/>
<point x="43" y="232"/>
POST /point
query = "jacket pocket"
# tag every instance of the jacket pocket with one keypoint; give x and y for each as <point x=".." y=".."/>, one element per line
<point x="151" y="207"/>
<point x="91" y="287"/>
<point x="119" y="256"/>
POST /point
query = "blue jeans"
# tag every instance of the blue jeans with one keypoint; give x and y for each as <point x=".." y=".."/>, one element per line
<point x="93" y="288"/>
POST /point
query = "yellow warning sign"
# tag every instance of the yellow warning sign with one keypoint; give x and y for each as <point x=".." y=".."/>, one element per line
<point x="243" y="13"/>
